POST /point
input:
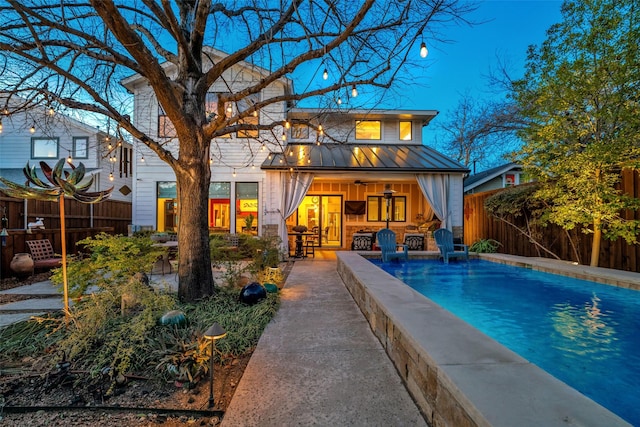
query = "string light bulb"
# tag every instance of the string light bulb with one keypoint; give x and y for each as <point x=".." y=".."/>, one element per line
<point x="69" y="159"/>
<point x="263" y="147"/>
<point x="354" y="91"/>
<point x="284" y="136"/>
<point x="423" y="50"/>
<point x="0" y="125"/>
<point x="320" y="130"/>
<point x="33" y="128"/>
<point x="111" y="176"/>
<point x="325" y="74"/>
<point x="142" y="159"/>
<point x="210" y="160"/>
<point x="234" y="172"/>
<point x="339" y="100"/>
<point x="51" y="111"/>
<point x="287" y="125"/>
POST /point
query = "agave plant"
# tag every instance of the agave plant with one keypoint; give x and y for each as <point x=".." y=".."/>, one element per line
<point x="60" y="183"/>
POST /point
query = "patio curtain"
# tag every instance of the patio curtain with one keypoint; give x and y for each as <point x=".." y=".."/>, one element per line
<point x="435" y="188"/>
<point x="294" y="188"/>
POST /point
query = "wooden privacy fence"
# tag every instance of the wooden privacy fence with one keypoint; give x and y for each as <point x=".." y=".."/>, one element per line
<point x="82" y="221"/>
<point x="478" y="224"/>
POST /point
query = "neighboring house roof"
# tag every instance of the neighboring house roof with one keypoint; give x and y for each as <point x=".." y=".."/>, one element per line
<point x="362" y="157"/>
<point x="478" y="179"/>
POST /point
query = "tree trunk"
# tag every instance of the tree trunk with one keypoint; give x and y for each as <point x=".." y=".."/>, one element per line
<point x="194" y="271"/>
<point x="595" y="246"/>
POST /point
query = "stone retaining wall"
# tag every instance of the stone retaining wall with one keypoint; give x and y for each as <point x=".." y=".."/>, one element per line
<point x="458" y="376"/>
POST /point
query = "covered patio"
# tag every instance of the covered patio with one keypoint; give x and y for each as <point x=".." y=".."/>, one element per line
<point x="338" y="190"/>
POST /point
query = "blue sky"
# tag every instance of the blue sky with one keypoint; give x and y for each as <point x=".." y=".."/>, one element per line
<point x="461" y="64"/>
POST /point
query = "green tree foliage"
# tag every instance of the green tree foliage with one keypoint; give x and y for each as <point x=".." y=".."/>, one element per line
<point x="580" y="96"/>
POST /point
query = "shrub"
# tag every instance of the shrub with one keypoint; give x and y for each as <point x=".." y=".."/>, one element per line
<point x="485" y="246"/>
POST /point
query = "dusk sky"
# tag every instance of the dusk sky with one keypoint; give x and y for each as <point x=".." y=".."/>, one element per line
<point x="462" y="64"/>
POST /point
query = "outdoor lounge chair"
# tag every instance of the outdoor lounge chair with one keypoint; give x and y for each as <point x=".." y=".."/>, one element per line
<point x="444" y="241"/>
<point x="389" y="247"/>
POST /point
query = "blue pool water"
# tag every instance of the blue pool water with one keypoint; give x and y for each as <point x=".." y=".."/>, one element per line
<point x="584" y="333"/>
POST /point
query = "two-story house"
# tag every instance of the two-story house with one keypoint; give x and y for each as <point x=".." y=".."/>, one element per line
<point x="335" y="171"/>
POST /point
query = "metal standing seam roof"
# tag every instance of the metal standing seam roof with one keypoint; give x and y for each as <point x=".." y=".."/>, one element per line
<point x="362" y="157"/>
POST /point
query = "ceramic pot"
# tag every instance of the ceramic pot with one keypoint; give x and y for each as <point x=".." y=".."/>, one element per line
<point x="22" y="264"/>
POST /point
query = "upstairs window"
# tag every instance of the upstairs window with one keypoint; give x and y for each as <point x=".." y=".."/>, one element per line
<point x="405" y="131"/>
<point x="80" y="147"/>
<point x="44" y="148"/>
<point x="165" y="127"/>
<point x="368" y="129"/>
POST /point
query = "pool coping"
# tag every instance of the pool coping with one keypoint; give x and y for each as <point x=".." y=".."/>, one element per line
<point x="457" y="375"/>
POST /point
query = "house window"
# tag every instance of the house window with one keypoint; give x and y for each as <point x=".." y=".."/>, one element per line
<point x="165" y="127"/>
<point x="253" y="120"/>
<point x="377" y="208"/>
<point x="80" y="147"/>
<point x="368" y="129"/>
<point x="247" y="207"/>
<point x="405" y="131"/>
<point x="299" y="131"/>
<point x="44" y="148"/>
<point x="220" y="207"/>
<point x="211" y="108"/>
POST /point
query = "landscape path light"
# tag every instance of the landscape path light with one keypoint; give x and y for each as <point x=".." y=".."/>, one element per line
<point x="214" y="333"/>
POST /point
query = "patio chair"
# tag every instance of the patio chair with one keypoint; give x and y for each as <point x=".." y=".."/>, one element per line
<point x="444" y="241"/>
<point x="389" y="248"/>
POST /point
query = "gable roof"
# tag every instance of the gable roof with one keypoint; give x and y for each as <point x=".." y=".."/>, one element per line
<point x="475" y="180"/>
<point x="412" y="158"/>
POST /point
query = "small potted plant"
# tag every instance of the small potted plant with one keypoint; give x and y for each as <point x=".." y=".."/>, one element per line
<point x="300" y="229"/>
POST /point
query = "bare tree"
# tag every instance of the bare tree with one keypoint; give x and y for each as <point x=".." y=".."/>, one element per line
<point x="482" y="131"/>
<point x="72" y="54"/>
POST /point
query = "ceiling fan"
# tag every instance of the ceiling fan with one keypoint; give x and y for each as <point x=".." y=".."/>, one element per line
<point x="359" y="182"/>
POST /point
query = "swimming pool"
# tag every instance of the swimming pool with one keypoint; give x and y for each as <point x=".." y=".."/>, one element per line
<point x="581" y="332"/>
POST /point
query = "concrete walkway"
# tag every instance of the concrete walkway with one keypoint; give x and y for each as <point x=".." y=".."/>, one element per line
<point x="318" y="363"/>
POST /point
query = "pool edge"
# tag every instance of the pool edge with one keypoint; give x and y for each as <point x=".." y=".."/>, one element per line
<point x="457" y="375"/>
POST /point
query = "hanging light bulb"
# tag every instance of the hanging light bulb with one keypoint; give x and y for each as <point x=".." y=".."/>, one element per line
<point x="33" y="128"/>
<point x="111" y="176"/>
<point x="423" y="50"/>
<point x="325" y="74"/>
<point x="320" y="130"/>
<point x="142" y="159"/>
<point x="255" y="113"/>
<point x="263" y="147"/>
<point x="354" y="91"/>
<point x="318" y="142"/>
<point x="253" y="166"/>
<point x="284" y="136"/>
<point x="287" y="125"/>
<point x="5" y="111"/>
<point x="234" y="172"/>
<point x="110" y="147"/>
<point x="210" y="160"/>
<point x="309" y="160"/>
<point x="290" y="153"/>
<point x="339" y="100"/>
<point x="229" y="108"/>
<point x="269" y="156"/>
<point x="0" y="125"/>
<point x="291" y="169"/>
<point x="51" y="111"/>
<point x="119" y="143"/>
<point x="69" y="159"/>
